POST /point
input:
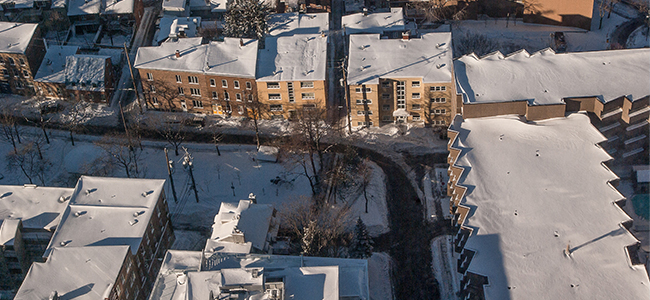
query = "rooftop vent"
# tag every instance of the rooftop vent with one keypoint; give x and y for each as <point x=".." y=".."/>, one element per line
<point x="365" y="12"/>
<point x="252" y="198"/>
<point x="54" y="296"/>
<point x="241" y="42"/>
<point x="256" y="273"/>
<point x="147" y="193"/>
<point x="363" y="47"/>
<point x="138" y="213"/>
<point x="7" y="194"/>
<point x="89" y="191"/>
<point x="178" y="54"/>
<point x="30" y="186"/>
<point x="133" y="222"/>
<point x="63" y="199"/>
<point x="406" y="35"/>
<point x="79" y="213"/>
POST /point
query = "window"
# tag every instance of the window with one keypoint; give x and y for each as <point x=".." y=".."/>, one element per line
<point x="439" y="100"/>
<point x="275" y="107"/>
<point x="416" y="117"/>
<point x="155" y="100"/>
<point x="152" y="88"/>
<point x="178" y="79"/>
<point x="439" y="122"/>
<point x="197" y="104"/>
<point x="385" y="84"/>
<point x="364" y="101"/>
<point x="401" y="94"/>
<point x="238" y="97"/>
<point x="250" y="97"/>
<point x="248" y="85"/>
<point x="11" y="61"/>
<point x="226" y="96"/>
<point x="415" y="107"/>
<point x="5" y="73"/>
<point x="272" y="85"/>
<point x="275" y="97"/>
<point x="236" y="84"/>
<point x="385" y="96"/>
<point x="415" y="84"/>
<point x="195" y="92"/>
<point x="385" y="107"/>
<point x="437" y="88"/>
<point x="150" y="76"/>
<point x="240" y="110"/>
<point x="360" y="90"/>
<point x="415" y="95"/>
<point x="308" y="96"/>
<point x="387" y="119"/>
<point x="439" y="111"/>
<point x="224" y="83"/>
<point x="309" y="106"/>
<point x="364" y="112"/>
<point x="21" y="61"/>
<point x="215" y="95"/>
<point x="19" y="85"/>
<point x="212" y="82"/>
<point x="2" y="60"/>
<point x="307" y="84"/>
<point x="180" y="91"/>
<point x="364" y="123"/>
<point x="193" y="79"/>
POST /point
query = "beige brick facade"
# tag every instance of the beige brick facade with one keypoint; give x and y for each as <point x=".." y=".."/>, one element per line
<point x="283" y="98"/>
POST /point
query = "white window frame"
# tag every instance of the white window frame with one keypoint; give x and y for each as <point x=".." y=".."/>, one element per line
<point x="275" y="97"/>
<point x="193" y="79"/>
<point x="181" y="91"/>
<point x="272" y="85"/>
<point x="274" y="107"/>
<point x="194" y="104"/>
<point x="364" y="101"/>
<point x="438" y="99"/>
<point x="309" y="96"/>
<point x="416" y="107"/>
<point x="179" y="79"/>
<point x="195" y="92"/>
<point x="415" y="96"/>
<point x="360" y="90"/>
<point x="415" y="84"/>
<point x="149" y="76"/>
<point x="249" y="85"/>
<point x="236" y="84"/>
<point x="215" y="95"/>
<point x="238" y="97"/>
<point x="224" y="83"/>
<point x="213" y="82"/>
<point x="306" y="84"/>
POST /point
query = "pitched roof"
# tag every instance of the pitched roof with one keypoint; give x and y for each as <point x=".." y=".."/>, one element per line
<point x="15" y="37"/>
<point x="74" y="273"/>
<point x="52" y="67"/>
<point x="86" y="72"/>
<point x="428" y="57"/>
<point x="293" y="58"/>
<point x="374" y="22"/>
<point x="243" y="218"/>
<point x="546" y="77"/>
<point x="538" y="189"/>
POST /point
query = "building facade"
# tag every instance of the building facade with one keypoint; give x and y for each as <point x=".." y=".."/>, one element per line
<point x="21" y="53"/>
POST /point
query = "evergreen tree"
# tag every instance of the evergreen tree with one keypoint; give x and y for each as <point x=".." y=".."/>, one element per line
<point x="246" y="19"/>
<point x="361" y="245"/>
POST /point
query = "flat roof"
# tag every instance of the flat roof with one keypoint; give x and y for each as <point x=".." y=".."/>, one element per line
<point x="289" y="24"/>
<point x="118" y="7"/>
<point x="84" y="7"/>
<point x="374" y="22"/>
<point x="173" y="5"/>
<point x="428" y="57"/>
<point x="107" y="211"/>
<point x="546" y="77"/>
<point x="163" y="57"/>
<point x="38" y="207"/>
<point x="86" y="72"/>
<point x="232" y="59"/>
<point x="18" y="4"/>
<point x="76" y="272"/>
<point x="300" y="57"/>
<point x="15" y="37"/>
<point x="52" y="67"/>
<point x="536" y="189"/>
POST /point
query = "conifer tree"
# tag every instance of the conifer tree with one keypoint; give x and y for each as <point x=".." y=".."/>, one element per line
<point x="361" y="246"/>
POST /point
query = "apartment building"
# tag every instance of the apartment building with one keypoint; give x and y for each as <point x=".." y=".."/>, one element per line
<point x="29" y="215"/>
<point x="89" y="78"/>
<point x="388" y="23"/>
<point x="401" y="80"/>
<point x="98" y="272"/>
<point x="21" y="53"/>
<point x="50" y="78"/>
<point x="289" y="24"/>
<point x="185" y="75"/>
<point x="543" y="219"/>
<point x="291" y="75"/>
<point x="117" y="212"/>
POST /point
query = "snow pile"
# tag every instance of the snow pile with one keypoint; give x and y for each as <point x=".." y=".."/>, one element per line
<point x="428" y="57"/>
<point x="374" y="22"/>
<point x="15" y="37"/>
<point x="546" y="78"/>
<point x="539" y="202"/>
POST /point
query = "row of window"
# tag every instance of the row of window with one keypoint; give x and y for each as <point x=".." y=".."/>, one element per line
<point x="11" y="61"/>
<point x="417" y="96"/>
<point x="278" y="107"/>
<point x="213" y="82"/>
<point x="305" y="96"/>
<point x="415" y="84"/>
<point x="7" y="73"/>
<point x="303" y="84"/>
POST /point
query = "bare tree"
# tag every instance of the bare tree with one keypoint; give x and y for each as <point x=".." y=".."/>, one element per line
<point x="171" y="130"/>
<point x="75" y="115"/>
<point x="29" y="160"/>
<point x="9" y="128"/>
<point x="478" y="44"/>
<point x="365" y="173"/>
<point x="122" y="152"/>
<point x="434" y="10"/>
<point x="254" y="109"/>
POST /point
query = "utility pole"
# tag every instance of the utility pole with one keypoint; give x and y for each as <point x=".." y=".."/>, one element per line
<point x="171" y="178"/>
<point x="135" y="86"/>
<point x="345" y="92"/>
<point x="187" y="162"/>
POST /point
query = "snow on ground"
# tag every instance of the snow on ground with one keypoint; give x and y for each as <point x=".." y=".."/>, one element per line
<point x="639" y="38"/>
<point x="84" y="113"/>
<point x="443" y="265"/>
<point x="596" y="39"/>
<point x="379" y="276"/>
<point x="376" y="219"/>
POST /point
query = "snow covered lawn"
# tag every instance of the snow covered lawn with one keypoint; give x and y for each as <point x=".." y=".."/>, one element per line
<point x="379" y="277"/>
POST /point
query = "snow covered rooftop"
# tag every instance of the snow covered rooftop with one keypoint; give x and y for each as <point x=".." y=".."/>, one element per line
<point x="428" y="57"/>
<point x="118" y="7"/>
<point x="78" y="273"/>
<point x="228" y="58"/>
<point x="38" y="207"/>
<point x="173" y="5"/>
<point x="243" y="223"/>
<point x="374" y="22"/>
<point x="15" y="37"/>
<point x="53" y="66"/>
<point x="545" y="77"/>
<point x="536" y="189"/>
<point x="8" y="230"/>
<point x="84" y="7"/>
<point x="107" y="211"/>
<point x="293" y="58"/>
<point x="337" y="277"/>
<point x="172" y="27"/>
<point x="18" y="4"/>
<point x="289" y="24"/>
<point x="86" y="72"/>
<point x="220" y="6"/>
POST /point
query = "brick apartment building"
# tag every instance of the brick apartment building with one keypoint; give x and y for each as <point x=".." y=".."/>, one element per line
<point x="401" y="80"/>
<point x="185" y="75"/>
<point x="291" y="75"/>
<point x="89" y="78"/>
<point x="50" y="78"/>
<point x="102" y="215"/>
<point x="21" y="52"/>
<point x="29" y="215"/>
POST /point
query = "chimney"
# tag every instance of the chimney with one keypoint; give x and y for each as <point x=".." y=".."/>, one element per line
<point x="241" y="42"/>
<point x="252" y="198"/>
<point x="178" y="54"/>
<point x="365" y="12"/>
<point x="406" y="35"/>
<point x="54" y="296"/>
